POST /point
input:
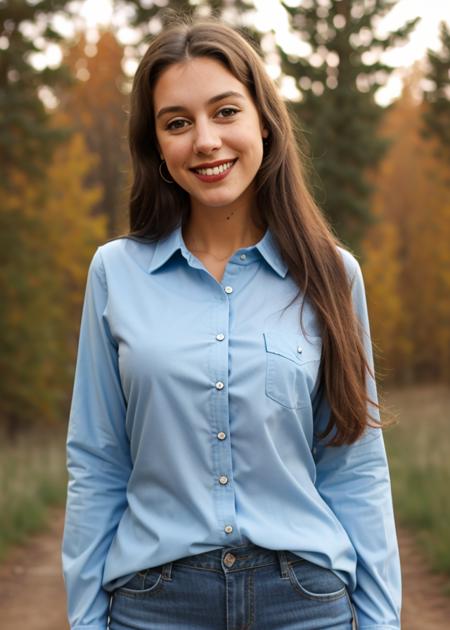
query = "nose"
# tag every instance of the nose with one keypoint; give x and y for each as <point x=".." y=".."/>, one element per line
<point x="206" y="139"/>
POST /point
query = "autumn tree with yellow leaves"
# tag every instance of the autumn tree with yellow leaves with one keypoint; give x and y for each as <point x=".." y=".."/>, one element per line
<point x="47" y="239"/>
<point x="97" y="107"/>
<point x="406" y="254"/>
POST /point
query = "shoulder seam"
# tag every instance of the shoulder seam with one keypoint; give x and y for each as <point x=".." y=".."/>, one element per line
<point x="356" y="264"/>
<point x="101" y="269"/>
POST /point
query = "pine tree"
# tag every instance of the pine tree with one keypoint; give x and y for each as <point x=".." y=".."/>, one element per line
<point x="437" y="95"/>
<point x="26" y="139"/>
<point x="151" y="18"/>
<point x="338" y="112"/>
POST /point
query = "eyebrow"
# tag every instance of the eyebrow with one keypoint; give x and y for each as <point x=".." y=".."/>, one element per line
<point x="213" y="99"/>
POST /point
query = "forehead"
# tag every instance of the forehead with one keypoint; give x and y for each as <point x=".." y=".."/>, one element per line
<point x="194" y="80"/>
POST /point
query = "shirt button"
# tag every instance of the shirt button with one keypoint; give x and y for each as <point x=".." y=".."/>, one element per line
<point x="220" y="337"/>
<point x="243" y="256"/>
<point x="223" y="479"/>
<point x="228" y="289"/>
<point x="221" y="435"/>
<point x="219" y="385"/>
<point x="228" y="529"/>
<point x="300" y="349"/>
<point x="229" y="559"/>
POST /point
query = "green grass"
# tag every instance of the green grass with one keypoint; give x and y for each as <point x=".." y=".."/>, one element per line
<point x="418" y="449"/>
<point x="32" y="479"/>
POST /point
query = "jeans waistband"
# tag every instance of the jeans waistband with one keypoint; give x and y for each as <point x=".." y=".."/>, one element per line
<point x="229" y="559"/>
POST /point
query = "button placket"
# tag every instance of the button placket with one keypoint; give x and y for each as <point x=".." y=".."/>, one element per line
<point x="220" y="421"/>
<point x="221" y="435"/>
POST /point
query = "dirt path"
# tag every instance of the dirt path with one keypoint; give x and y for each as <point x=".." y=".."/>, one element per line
<point x="425" y="607"/>
<point x="32" y="595"/>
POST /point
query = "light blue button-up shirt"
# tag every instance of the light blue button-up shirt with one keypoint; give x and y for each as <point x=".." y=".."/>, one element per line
<point x="192" y="425"/>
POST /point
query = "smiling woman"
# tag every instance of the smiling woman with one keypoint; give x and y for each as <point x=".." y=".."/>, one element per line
<point x="225" y="454"/>
<point x="212" y="140"/>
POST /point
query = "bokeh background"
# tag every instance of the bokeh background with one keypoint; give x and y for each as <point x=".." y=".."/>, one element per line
<point x="368" y="82"/>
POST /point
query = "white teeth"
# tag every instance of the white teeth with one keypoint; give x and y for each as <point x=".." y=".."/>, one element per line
<point x="217" y="170"/>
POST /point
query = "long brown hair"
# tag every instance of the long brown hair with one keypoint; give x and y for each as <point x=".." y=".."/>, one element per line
<point x="302" y="233"/>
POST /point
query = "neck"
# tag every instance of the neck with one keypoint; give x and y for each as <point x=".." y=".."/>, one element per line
<point x="219" y="232"/>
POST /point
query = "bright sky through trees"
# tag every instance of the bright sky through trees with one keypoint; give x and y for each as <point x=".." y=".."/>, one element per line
<point x="271" y="15"/>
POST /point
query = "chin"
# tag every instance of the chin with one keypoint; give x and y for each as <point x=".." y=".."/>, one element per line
<point x="218" y="201"/>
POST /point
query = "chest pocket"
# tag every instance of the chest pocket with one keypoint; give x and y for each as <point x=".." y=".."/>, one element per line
<point x="292" y="367"/>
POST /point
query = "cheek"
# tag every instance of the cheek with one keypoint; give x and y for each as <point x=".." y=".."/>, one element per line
<point x="176" y="152"/>
<point x="250" y="142"/>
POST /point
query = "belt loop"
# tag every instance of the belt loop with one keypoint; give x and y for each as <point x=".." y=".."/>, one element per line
<point x="283" y="564"/>
<point x="166" y="571"/>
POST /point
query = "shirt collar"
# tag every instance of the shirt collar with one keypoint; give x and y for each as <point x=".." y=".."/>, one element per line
<point x="267" y="248"/>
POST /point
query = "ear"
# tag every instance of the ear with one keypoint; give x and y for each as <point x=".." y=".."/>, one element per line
<point x="265" y="132"/>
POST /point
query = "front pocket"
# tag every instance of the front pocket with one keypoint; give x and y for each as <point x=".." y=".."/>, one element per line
<point x="315" y="582"/>
<point x="292" y="367"/>
<point x="142" y="583"/>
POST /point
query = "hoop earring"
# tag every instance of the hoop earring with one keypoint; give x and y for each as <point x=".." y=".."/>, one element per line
<point x="168" y="181"/>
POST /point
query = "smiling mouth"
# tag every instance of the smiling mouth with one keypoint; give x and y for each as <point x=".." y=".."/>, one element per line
<point x="215" y="170"/>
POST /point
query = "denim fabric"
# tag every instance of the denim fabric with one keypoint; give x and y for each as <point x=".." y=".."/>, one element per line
<point x="234" y="588"/>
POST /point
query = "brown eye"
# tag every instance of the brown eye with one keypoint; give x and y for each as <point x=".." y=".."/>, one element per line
<point x="176" y="124"/>
<point x="227" y="112"/>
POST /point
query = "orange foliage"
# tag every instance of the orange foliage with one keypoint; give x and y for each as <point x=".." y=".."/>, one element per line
<point x="49" y="237"/>
<point x="96" y="107"/>
<point x="407" y="260"/>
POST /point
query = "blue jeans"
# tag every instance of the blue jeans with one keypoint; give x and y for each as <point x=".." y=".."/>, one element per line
<point x="234" y="588"/>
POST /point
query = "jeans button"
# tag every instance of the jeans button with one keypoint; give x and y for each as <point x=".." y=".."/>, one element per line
<point x="229" y="560"/>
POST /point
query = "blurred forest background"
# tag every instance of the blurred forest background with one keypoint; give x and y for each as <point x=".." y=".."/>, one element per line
<point x="381" y="173"/>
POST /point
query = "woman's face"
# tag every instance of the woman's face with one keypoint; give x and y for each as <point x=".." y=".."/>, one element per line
<point x="209" y="132"/>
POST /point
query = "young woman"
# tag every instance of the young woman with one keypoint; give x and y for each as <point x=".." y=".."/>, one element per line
<point x="226" y="464"/>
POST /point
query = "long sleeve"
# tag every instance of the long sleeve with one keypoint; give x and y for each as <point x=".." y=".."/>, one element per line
<point x="354" y="481"/>
<point x="98" y="461"/>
